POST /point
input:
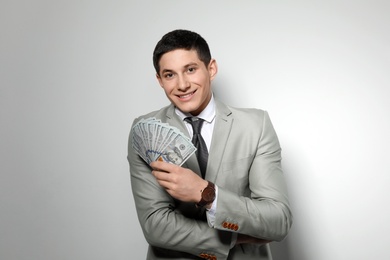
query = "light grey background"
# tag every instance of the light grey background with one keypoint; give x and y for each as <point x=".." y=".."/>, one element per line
<point x="74" y="74"/>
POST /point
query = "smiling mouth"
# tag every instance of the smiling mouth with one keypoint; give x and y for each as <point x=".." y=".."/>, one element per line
<point x="187" y="95"/>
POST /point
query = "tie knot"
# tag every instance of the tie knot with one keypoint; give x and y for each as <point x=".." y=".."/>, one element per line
<point x="196" y="123"/>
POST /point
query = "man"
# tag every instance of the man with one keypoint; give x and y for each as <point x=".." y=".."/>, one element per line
<point x="241" y="204"/>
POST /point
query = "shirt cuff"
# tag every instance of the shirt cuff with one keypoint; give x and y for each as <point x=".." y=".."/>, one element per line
<point x="210" y="213"/>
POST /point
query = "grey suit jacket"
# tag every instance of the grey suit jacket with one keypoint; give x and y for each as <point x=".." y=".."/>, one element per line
<point x="245" y="164"/>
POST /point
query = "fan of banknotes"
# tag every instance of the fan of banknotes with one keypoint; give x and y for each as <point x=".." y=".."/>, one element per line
<point x="154" y="140"/>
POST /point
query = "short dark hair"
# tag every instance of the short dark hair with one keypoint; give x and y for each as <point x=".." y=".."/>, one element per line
<point x="181" y="39"/>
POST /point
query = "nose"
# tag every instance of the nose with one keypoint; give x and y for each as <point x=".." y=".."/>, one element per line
<point x="183" y="83"/>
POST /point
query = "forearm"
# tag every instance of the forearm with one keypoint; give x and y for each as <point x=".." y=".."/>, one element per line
<point x="260" y="218"/>
<point x="260" y="205"/>
<point x="245" y="239"/>
<point x="164" y="224"/>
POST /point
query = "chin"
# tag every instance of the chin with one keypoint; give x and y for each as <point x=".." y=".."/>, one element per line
<point x="186" y="107"/>
<point x="185" y="110"/>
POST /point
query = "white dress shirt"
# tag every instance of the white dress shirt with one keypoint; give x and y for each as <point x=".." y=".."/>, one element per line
<point x="208" y="115"/>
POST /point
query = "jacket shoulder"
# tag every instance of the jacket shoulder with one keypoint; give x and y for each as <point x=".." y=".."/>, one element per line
<point x="249" y="115"/>
<point x="158" y="114"/>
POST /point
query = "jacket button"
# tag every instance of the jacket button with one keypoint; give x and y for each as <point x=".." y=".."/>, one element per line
<point x="208" y="256"/>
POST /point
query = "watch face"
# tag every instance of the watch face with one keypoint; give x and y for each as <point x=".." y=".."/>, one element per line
<point x="208" y="194"/>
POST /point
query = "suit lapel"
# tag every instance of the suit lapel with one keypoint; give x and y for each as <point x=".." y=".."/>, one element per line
<point x="174" y="120"/>
<point x="222" y="128"/>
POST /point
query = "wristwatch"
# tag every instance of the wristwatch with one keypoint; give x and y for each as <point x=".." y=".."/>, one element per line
<point x="208" y="195"/>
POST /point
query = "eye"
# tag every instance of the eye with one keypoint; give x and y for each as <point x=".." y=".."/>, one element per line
<point x="168" y="75"/>
<point x="191" y="70"/>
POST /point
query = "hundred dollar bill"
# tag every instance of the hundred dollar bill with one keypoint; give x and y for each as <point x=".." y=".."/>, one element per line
<point x="178" y="150"/>
<point x="154" y="140"/>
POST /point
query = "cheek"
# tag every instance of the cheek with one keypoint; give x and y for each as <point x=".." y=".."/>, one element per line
<point x="168" y="87"/>
<point x="202" y="81"/>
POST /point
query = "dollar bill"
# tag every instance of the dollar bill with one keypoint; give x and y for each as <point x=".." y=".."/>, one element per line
<point x="154" y="140"/>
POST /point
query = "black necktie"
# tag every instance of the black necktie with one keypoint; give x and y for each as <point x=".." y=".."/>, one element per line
<point x="201" y="153"/>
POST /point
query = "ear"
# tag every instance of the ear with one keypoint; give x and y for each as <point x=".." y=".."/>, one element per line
<point x="159" y="80"/>
<point x="213" y="69"/>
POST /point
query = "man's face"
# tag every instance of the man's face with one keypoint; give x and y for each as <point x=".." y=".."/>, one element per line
<point x="186" y="80"/>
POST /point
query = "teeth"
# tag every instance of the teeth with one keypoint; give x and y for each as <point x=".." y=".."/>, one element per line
<point x="186" y="95"/>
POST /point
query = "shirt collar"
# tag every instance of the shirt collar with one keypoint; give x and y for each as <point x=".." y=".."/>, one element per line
<point x="208" y="114"/>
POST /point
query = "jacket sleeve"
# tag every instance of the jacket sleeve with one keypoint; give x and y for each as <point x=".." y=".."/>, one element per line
<point x="262" y="210"/>
<point x="164" y="226"/>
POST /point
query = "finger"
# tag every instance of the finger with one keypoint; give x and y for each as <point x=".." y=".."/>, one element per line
<point x="163" y="166"/>
<point x="160" y="175"/>
<point x="155" y="165"/>
<point x="164" y="184"/>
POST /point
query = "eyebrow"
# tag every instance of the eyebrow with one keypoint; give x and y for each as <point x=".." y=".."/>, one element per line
<point x="185" y="67"/>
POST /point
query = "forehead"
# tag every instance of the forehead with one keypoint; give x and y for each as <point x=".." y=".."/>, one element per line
<point x="179" y="58"/>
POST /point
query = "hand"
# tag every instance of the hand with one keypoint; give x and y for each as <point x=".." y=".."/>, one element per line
<point x="181" y="183"/>
<point x="245" y="239"/>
